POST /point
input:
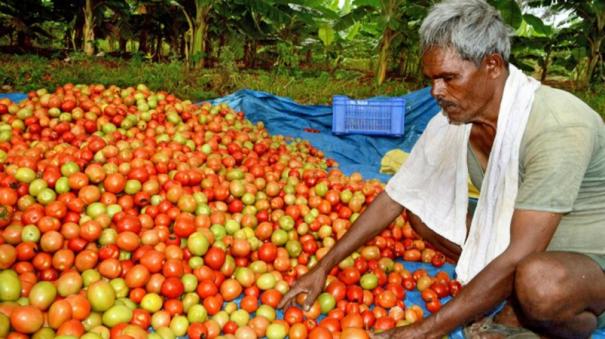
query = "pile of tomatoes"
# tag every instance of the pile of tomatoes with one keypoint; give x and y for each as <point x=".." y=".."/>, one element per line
<point x="127" y="211"/>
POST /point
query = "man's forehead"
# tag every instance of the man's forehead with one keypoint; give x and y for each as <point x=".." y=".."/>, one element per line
<point x="437" y="61"/>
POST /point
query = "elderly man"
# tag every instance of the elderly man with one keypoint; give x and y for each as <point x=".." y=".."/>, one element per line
<point x="537" y="236"/>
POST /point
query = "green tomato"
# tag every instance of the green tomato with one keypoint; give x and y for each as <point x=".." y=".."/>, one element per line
<point x="44" y="333"/>
<point x="165" y="333"/>
<point x="266" y="281"/>
<point x="119" y="287"/>
<point x="279" y="237"/>
<point x="93" y="320"/>
<point x="10" y="286"/>
<point x="69" y="168"/>
<point x="240" y="317"/>
<point x="6" y="136"/>
<point x="196" y="262"/>
<point x="218" y="231"/>
<point x="25" y="174"/>
<point x="197" y="244"/>
<point x="101" y="296"/>
<point x="36" y="186"/>
<point x="132" y="187"/>
<point x="276" y="331"/>
<point x="91" y="336"/>
<point x="369" y="281"/>
<point x="326" y="302"/>
<point x="42" y="295"/>
<point x="30" y="233"/>
<point x="151" y="302"/>
<point x="90" y="276"/>
<point x="232" y="226"/>
<point x="62" y="185"/>
<point x="266" y="311"/>
<point x="321" y="189"/>
<point x="189" y="282"/>
<point x="248" y="198"/>
<point x="96" y="209"/>
<point x="294" y="248"/>
<point x="113" y="209"/>
<point x="258" y="266"/>
<point x="286" y="222"/>
<point x="189" y="300"/>
<point x="116" y="315"/>
<point x="5" y="325"/>
<point x="197" y="313"/>
<point x="179" y="325"/>
<point x="108" y="128"/>
<point x="46" y="196"/>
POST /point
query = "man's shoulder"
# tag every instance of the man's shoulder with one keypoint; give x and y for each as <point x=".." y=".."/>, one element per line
<point x="557" y="109"/>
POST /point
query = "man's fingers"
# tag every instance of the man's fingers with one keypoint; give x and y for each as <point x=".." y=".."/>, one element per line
<point x="286" y="300"/>
<point x="311" y="296"/>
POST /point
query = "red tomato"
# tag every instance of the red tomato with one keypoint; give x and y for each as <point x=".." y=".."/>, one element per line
<point x="349" y="275"/>
<point x="214" y="258"/>
<point x="433" y="306"/>
<point x="337" y="289"/>
<point x="267" y="252"/>
<point x="172" y="288"/>
<point x="197" y="331"/>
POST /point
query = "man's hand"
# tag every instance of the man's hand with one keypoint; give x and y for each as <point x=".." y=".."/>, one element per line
<point x="410" y="331"/>
<point x="311" y="283"/>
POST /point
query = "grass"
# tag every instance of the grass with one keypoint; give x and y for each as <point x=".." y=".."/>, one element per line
<point x="309" y="86"/>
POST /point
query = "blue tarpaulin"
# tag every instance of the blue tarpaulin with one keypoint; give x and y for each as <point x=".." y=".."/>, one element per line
<point x="14" y="97"/>
<point x="354" y="153"/>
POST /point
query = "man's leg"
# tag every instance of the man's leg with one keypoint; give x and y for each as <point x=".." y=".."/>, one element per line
<point x="445" y="246"/>
<point x="560" y="293"/>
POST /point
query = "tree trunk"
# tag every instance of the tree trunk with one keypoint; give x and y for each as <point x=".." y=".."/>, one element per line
<point x="247" y="48"/>
<point x="545" y="64"/>
<point x="183" y="47"/>
<point x="383" y="55"/>
<point x="143" y="48"/>
<point x="593" y="59"/>
<point x="200" y="27"/>
<point x="123" y="44"/>
<point x="24" y="40"/>
<point x="88" y="30"/>
<point x="158" y="47"/>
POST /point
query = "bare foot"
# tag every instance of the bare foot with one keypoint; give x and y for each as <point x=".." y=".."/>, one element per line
<point x="508" y="317"/>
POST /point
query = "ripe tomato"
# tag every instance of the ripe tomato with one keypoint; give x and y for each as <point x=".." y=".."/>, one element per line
<point x="349" y="275"/>
<point x="267" y="252"/>
<point x="214" y="258"/>
<point x="172" y="287"/>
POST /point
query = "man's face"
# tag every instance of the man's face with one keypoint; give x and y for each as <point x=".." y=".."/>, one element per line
<point x="460" y="87"/>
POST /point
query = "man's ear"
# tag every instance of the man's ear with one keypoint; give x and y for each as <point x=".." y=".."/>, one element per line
<point x="494" y="65"/>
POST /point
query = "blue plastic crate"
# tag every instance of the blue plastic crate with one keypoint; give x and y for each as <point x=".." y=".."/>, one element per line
<point x="378" y="116"/>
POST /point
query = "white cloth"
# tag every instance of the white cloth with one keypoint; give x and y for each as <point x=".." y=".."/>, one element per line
<point x="433" y="181"/>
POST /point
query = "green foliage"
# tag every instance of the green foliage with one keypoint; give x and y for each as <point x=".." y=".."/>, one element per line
<point x="510" y="11"/>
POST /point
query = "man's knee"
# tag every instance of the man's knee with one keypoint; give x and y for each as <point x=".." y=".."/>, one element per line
<point x="540" y="287"/>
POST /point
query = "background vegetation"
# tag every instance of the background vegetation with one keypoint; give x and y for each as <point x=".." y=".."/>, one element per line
<point x="304" y="49"/>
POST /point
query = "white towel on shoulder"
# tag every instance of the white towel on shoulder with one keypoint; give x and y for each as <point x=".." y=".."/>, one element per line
<point x="433" y="181"/>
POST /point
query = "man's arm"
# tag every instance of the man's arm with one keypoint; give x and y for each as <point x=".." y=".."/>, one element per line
<point x="531" y="231"/>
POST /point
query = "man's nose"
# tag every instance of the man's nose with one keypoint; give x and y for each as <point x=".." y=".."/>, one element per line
<point x="438" y="89"/>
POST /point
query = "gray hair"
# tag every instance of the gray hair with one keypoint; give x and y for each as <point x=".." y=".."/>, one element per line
<point x="471" y="27"/>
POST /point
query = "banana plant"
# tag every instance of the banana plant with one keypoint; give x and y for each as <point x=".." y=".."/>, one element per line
<point x="25" y="18"/>
<point x="589" y="25"/>
<point x="391" y="22"/>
